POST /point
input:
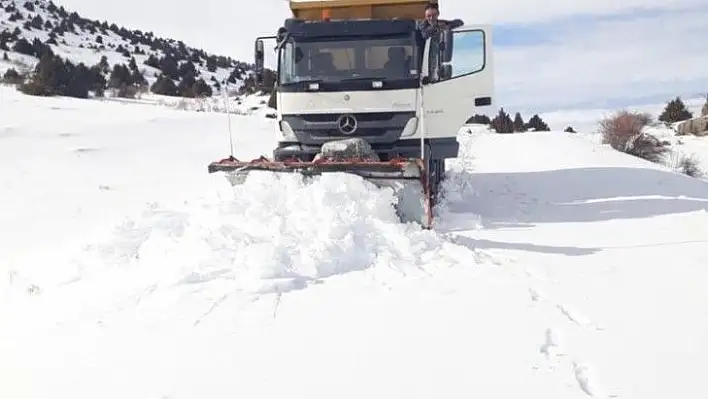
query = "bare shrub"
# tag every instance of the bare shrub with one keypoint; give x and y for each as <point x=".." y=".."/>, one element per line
<point x="689" y="166"/>
<point x="648" y="147"/>
<point x="619" y="129"/>
<point x="624" y="132"/>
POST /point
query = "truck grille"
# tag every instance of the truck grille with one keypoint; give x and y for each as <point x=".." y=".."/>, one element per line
<point x="376" y="127"/>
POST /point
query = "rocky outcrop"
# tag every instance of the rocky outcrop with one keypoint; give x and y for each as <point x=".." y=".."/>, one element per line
<point x="696" y="126"/>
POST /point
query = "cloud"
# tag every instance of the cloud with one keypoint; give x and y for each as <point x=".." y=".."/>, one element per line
<point x="605" y="61"/>
<point x="551" y="54"/>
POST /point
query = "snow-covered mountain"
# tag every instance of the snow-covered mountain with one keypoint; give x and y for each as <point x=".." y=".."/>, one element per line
<point x="32" y="28"/>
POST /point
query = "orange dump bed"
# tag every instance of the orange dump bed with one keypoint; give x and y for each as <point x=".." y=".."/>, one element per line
<point x="314" y="10"/>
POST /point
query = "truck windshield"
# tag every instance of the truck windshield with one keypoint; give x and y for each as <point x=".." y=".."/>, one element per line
<point x="341" y="60"/>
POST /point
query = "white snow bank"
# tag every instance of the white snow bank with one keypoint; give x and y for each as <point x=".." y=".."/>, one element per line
<point x="272" y="234"/>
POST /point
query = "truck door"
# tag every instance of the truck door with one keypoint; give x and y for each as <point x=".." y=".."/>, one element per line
<point x="452" y="90"/>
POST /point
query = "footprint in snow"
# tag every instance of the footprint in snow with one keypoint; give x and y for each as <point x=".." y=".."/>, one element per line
<point x="84" y="150"/>
<point x="535" y="294"/>
<point x="577" y="318"/>
<point x="551" y="344"/>
<point x="588" y="382"/>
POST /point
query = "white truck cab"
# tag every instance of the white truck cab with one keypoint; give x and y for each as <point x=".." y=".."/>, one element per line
<point x="370" y="74"/>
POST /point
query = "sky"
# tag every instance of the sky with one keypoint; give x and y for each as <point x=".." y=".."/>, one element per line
<point x="565" y="54"/>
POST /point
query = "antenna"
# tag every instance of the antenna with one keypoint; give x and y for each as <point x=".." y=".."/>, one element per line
<point x="228" y="116"/>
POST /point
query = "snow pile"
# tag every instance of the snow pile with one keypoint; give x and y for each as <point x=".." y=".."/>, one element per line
<point x="273" y="234"/>
<point x="458" y="189"/>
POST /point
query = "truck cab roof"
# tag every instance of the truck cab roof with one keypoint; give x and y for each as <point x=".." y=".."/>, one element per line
<point x="301" y="29"/>
<point x="315" y="10"/>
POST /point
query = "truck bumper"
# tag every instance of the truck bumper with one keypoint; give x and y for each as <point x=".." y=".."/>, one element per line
<point x="438" y="148"/>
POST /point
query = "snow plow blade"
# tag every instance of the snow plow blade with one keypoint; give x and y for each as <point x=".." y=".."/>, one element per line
<point x="400" y="174"/>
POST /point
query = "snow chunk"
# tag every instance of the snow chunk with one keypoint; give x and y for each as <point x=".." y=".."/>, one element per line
<point x="348" y="148"/>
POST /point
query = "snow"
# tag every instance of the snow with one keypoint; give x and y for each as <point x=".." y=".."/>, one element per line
<point x="559" y="268"/>
<point x="681" y="148"/>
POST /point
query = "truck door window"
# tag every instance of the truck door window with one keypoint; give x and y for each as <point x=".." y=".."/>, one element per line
<point x="467" y="53"/>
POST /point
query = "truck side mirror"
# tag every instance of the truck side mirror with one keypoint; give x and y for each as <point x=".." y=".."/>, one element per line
<point x="446" y="41"/>
<point x="260" y="55"/>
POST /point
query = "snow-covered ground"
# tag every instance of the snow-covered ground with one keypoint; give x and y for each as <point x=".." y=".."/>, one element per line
<point x="559" y="268"/>
<point x="681" y="148"/>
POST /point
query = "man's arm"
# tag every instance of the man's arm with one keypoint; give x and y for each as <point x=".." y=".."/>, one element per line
<point x="455" y="23"/>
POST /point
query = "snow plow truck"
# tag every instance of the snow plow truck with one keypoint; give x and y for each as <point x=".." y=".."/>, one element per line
<point x="359" y="89"/>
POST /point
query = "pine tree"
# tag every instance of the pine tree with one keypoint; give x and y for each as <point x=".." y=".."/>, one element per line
<point x="185" y="88"/>
<point x="479" y="119"/>
<point x="537" y="124"/>
<point x="165" y="86"/>
<point x="201" y="89"/>
<point x="11" y="76"/>
<point x="502" y="123"/>
<point x="519" y="123"/>
<point x="103" y="65"/>
<point x="675" y="111"/>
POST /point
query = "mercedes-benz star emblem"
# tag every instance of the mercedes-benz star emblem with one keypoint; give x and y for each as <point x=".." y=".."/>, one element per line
<point x="347" y="124"/>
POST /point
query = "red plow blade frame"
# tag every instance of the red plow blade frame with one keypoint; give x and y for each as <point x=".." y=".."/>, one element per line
<point x="401" y="169"/>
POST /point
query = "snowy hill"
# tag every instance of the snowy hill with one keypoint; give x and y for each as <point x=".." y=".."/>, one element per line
<point x="586" y="120"/>
<point x="683" y="151"/>
<point x="559" y="268"/>
<point x="28" y="27"/>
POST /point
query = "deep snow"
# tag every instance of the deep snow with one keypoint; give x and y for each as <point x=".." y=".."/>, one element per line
<point x="559" y="268"/>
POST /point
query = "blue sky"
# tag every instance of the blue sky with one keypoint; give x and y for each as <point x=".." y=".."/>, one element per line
<point x="565" y="54"/>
